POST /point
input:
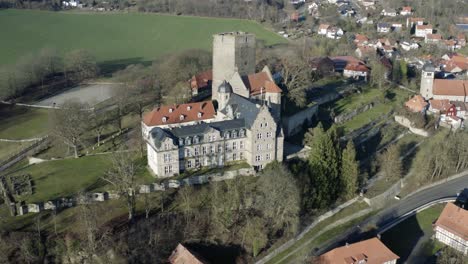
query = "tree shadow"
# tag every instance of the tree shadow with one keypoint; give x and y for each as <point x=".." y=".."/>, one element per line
<point x="110" y="66"/>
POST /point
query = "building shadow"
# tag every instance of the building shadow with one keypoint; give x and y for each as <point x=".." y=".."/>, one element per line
<point x="110" y="66"/>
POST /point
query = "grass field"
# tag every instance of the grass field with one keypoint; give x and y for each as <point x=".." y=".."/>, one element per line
<point x="7" y="149"/>
<point x="60" y="178"/>
<point x="21" y="122"/>
<point x="131" y="37"/>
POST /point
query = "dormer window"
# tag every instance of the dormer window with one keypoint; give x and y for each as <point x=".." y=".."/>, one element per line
<point x="171" y="110"/>
<point x="181" y="117"/>
<point x="189" y="107"/>
<point x="164" y="119"/>
<point x="188" y="141"/>
<point x="195" y="140"/>
<point x="199" y="114"/>
<point x="241" y="133"/>
<point x="181" y="142"/>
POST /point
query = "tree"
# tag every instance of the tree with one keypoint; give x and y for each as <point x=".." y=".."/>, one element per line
<point x="99" y="120"/>
<point x="278" y="198"/>
<point x="349" y="171"/>
<point x="324" y="160"/>
<point x="390" y="163"/>
<point x="451" y="256"/>
<point x="122" y="176"/>
<point x="80" y="65"/>
<point x="69" y="123"/>
<point x="378" y="73"/>
<point x="296" y="77"/>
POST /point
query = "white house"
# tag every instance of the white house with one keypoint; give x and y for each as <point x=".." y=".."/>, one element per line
<point x="397" y="26"/>
<point x="422" y="30"/>
<point x="451" y="228"/>
<point x="409" y="46"/>
<point x="410" y="21"/>
<point x="389" y="12"/>
<point x="323" y="29"/>
<point x="335" y="33"/>
<point x="432" y="38"/>
<point x="406" y="11"/>
<point x="356" y="71"/>
<point x="383" y="27"/>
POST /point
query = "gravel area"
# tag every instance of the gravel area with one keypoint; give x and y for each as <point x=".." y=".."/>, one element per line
<point x="89" y="93"/>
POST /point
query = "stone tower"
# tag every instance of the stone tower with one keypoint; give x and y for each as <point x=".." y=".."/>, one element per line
<point x="427" y="81"/>
<point x="232" y="52"/>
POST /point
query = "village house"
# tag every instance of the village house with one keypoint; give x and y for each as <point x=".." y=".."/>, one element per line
<point x="322" y="65"/>
<point x="462" y="109"/>
<point x="442" y="106"/>
<point x="450" y="44"/>
<point x="182" y="255"/>
<point x="244" y="126"/>
<point x="417" y="104"/>
<point x="412" y="21"/>
<point x="201" y="83"/>
<point x="346" y="11"/>
<point x="383" y="27"/>
<point x="390" y="12"/>
<point x="397" y="26"/>
<point x="407" y="46"/>
<point x="388" y="51"/>
<point x="356" y="71"/>
<point x="368" y="4"/>
<point x="323" y="29"/>
<point x="406" y="11"/>
<point x="334" y="33"/>
<point x="423" y="30"/>
<point x="360" y="39"/>
<point x="451" y="89"/>
<point x="367" y="251"/>
<point x="432" y="38"/>
<point x="451" y="228"/>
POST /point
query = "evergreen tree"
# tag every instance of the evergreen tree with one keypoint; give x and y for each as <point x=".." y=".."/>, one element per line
<point x="349" y="171"/>
<point x="324" y="165"/>
<point x="404" y="72"/>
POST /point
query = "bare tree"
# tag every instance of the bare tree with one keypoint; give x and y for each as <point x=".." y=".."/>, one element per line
<point x="296" y="77"/>
<point x="80" y="65"/>
<point x="69" y="123"/>
<point x="122" y="176"/>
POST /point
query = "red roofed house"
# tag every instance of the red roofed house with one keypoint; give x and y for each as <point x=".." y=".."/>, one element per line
<point x="451" y="89"/>
<point x="406" y="11"/>
<point x="201" y="82"/>
<point x="181" y="255"/>
<point x="416" y="104"/>
<point x="432" y="38"/>
<point x="360" y="39"/>
<point x="451" y="228"/>
<point x="371" y="251"/>
<point x="423" y="30"/>
<point x="323" y="29"/>
<point x="442" y="106"/>
<point x="411" y="21"/>
<point x="356" y="71"/>
<point x="364" y="51"/>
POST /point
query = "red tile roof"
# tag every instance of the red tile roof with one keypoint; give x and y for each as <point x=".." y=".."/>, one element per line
<point x="358" y="38"/>
<point x="434" y="36"/>
<point x="356" y="67"/>
<point x="423" y="27"/>
<point x="201" y="80"/>
<point x="181" y="255"/>
<point x="348" y="59"/>
<point x="406" y="9"/>
<point x="373" y="251"/>
<point x="454" y="219"/>
<point x="261" y="82"/>
<point x="450" y="87"/>
<point x="440" y="104"/>
<point x="416" y="104"/>
<point x="324" y="26"/>
<point x="177" y="114"/>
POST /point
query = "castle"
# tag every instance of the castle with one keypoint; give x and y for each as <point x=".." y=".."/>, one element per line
<point x="240" y="123"/>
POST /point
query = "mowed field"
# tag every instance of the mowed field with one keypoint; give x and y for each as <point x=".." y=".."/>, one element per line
<point x="114" y="37"/>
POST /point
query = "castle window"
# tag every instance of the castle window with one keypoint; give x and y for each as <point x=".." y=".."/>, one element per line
<point x="234" y="156"/>
<point x="259" y="136"/>
<point x="167" y="157"/>
<point x="166" y="146"/>
<point x="268" y="134"/>
<point x="268" y="146"/>
<point x="268" y="156"/>
<point x="187" y="152"/>
<point x="220" y="148"/>
<point x="241" y="144"/>
<point x="241" y="155"/>
<point x="258" y="158"/>
<point x="259" y="147"/>
<point x="234" y="145"/>
<point x="212" y="149"/>
<point x="189" y="164"/>
<point x="196" y="151"/>
<point x="204" y="150"/>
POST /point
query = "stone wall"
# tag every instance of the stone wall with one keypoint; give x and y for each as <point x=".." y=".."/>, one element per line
<point x="294" y="124"/>
<point x="407" y="123"/>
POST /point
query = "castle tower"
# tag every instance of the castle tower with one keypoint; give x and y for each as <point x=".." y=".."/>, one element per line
<point x="224" y="93"/>
<point x="427" y="81"/>
<point x="232" y="52"/>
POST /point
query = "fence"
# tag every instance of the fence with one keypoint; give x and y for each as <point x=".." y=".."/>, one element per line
<point x="30" y="150"/>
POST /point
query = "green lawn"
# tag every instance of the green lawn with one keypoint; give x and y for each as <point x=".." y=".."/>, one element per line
<point x="355" y="101"/>
<point x="61" y="178"/>
<point x="402" y="238"/>
<point x="21" y="122"/>
<point x="131" y="37"/>
<point x="365" y="118"/>
<point x="7" y="149"/>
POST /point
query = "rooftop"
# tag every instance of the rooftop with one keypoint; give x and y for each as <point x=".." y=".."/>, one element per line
<point x="372" y="251"/>
<point x="416" y="104"/>
<point x="450" y="87"/>
<point x="261" y="83"/>
<point x="176" y="114"/>
<point x="454" y="219"/>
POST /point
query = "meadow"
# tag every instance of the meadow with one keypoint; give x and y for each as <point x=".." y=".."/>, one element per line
<point x="114" y="37"/>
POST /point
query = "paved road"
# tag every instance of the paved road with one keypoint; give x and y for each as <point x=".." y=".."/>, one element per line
<point x="396" y="210"/>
